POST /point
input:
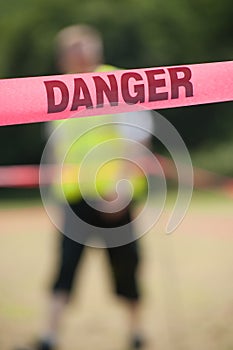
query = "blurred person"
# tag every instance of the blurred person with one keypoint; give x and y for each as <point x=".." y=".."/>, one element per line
<point x="79" y="49"/>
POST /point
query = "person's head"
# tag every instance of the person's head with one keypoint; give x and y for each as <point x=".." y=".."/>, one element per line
<point x="79" y="49"/>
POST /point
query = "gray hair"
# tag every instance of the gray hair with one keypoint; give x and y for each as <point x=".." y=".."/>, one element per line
<point x="85" y="36"/>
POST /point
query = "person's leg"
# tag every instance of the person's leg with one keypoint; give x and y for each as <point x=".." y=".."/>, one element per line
<point x="136" y="334"/>
<point x="70" y="254"/>
<point x="54" y="315"/>
<point x="124" y="265"/>
<point x="124" y="262"/>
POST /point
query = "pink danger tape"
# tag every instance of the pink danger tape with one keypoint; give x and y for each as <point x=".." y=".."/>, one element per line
<point x="19" y="176"/>
<point x="38" y="99"/>
<point x="27" y="176"/>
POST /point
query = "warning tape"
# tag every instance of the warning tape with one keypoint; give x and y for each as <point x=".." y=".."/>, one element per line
<point x="28" y="176"/>
<point x="46" y="98"/>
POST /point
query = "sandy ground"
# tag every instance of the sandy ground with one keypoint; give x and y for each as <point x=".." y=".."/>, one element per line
<point x="186" y="278"/>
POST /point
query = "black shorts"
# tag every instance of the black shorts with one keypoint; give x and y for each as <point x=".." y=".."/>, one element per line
<point x="123" y="259"/>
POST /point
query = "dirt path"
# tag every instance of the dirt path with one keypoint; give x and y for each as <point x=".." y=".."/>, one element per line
<point x="186" y="280"/>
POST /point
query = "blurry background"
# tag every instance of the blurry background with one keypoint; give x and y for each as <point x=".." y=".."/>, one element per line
<point x="186" y="277"/>
<point x="136" y="34"/>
